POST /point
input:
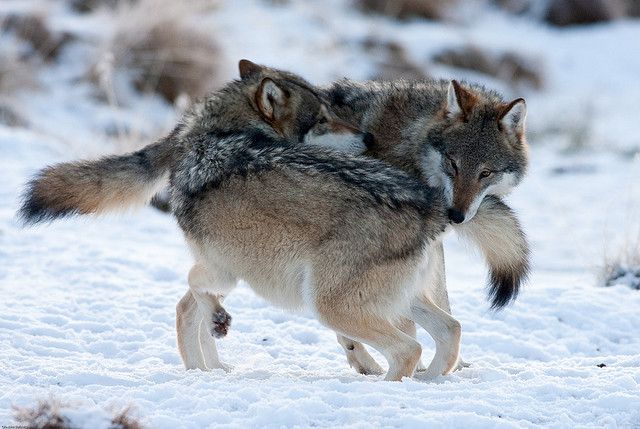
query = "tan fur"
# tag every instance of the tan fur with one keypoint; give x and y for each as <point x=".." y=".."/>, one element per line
<point x="74" y="187"/>
<point x="300" y="263"/>
<point x="495" y="236"/>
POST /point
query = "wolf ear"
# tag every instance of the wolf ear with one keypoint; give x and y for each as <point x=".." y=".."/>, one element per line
<point x="248" y="69"/>
<point x="460" y="102"/>
<point x="513" y="115"/>
<point x="271" y="99"/>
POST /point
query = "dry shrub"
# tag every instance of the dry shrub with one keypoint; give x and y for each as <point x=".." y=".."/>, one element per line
<point x="624" y="266"/>
<point x="572" y="12"/>
<point x="514" y="6"/>
<point x="87" y="6"/>
<point x="16" y="73"/>
<point x="10" y="117"/>
<point x="45" y="415"/>
<point x="125" y="420"/>
<point x="166" y="53"/>
<point x="392" y="61"/>
<point x="33" y="30"/>
<point x="633" y="8"/>
<point x="509" y="67"/>
<point x="49" y="414"/>
<point x="404" y="9"/>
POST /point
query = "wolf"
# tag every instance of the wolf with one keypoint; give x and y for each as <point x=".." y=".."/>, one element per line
<point x="306" y="226"/>
<point x="93" y="187"/>
<point x="464" y="139"/>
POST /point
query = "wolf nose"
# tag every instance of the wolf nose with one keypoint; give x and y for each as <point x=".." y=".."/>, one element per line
<point x="455" y="215"/>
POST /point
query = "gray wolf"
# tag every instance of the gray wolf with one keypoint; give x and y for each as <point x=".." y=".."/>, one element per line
<point x="342" y="235"/>
<point x="463" y="139"/>
<point x="306" y="226"/>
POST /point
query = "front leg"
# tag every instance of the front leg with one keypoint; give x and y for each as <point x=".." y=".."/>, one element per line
<point x="207" y="318"/>
<point x="437" y="282"/>
<point x="196" y="345"/>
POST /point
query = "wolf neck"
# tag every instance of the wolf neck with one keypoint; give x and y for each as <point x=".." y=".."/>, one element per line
<point x="398" y="114"/>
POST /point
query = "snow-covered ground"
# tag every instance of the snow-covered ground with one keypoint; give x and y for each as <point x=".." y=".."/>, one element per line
<point x="87" y="307"/>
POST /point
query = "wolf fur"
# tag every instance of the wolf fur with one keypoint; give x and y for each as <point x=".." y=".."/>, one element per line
<point x="422" y="127"/>
<point x="306" y="226"/>
<point x="448" y="135"/>
<point x="113" y="182"/>
<point x="258" y="147"/>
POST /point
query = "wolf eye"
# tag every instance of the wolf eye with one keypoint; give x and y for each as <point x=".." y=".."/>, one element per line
<point x="485" y="173"/>
<point x="322" y="120"/>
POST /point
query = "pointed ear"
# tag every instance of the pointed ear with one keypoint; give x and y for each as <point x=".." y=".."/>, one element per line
<point x="460" y="102"/>
<point x="248" y="69"/>
<point x="513" y="115"/>
<point x="271" y="99"/>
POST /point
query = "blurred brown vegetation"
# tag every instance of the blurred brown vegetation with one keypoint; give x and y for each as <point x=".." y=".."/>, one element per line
<point x="49" y="414"/>
<point x="403" y="9"/>
<point x="510" y="67"/>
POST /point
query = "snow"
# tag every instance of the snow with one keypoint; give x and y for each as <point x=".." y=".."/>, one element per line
<point x="87" y="311"/>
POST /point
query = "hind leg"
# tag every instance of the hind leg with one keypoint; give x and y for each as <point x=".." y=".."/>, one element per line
<point x="358" y="357"/>
<point x="360" y="360"/>
<point x="444" y="329"/>
<point x="401" y="351"/>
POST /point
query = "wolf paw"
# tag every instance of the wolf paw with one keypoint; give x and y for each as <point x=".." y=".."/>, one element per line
<point x="220" y="322"/>
<point x="461" y="364"/>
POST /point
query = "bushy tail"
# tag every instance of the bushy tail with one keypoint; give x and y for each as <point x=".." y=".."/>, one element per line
<point x="85" y="187"/>
<point x="496" y="231"/>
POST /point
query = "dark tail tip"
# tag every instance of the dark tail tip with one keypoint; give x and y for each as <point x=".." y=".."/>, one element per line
<point x="505" y="284"/>
<point x="35" y="209"/>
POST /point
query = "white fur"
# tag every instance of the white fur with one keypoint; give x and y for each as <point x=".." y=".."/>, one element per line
<point x="453" y="107"/>
<point x="351" y="143"/>
<point x="514" y="119"/>
<point x="436" y="177"/>
<point x="504" y="185"/>
<point x="501" y="187"/>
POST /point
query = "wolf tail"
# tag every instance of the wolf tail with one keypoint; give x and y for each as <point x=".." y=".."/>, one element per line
<point x="109" y="183"/>
<point x="496" y="231"/>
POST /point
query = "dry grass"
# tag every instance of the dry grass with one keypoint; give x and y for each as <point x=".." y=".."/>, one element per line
<point x="32" y="28"/>
<point x="157" y="42"/>
<point x="572" y="12"/>
<point x="392" y="61"/>
<point x="624" y="266"/>
<point x="45" y="415"/>
<point x="632" y="8"/>
<point x="88" y="6"/>
<point x="49" y="414"/>
<point x="509" y="67"/>
<point x="514" y="6"/>
<point x="403" y="9"/>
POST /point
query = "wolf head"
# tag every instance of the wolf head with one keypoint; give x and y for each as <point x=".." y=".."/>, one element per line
<point x="297" y="111"/>
<point x="476" y="147"/>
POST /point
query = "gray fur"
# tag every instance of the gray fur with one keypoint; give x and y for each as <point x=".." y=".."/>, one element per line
<point x="413" y="131"/>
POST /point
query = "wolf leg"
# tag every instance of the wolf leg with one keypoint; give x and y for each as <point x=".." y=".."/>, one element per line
<point x="206" y="285"/>
<point x="445" y="331"/>
<point x="209" y="349"/>
<point x="187" y="321"/>
<point x="437" y="281"/>
<point x="214" y="320"/>
<point x="401" y="351"/>
<point x="358" y="357"/>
